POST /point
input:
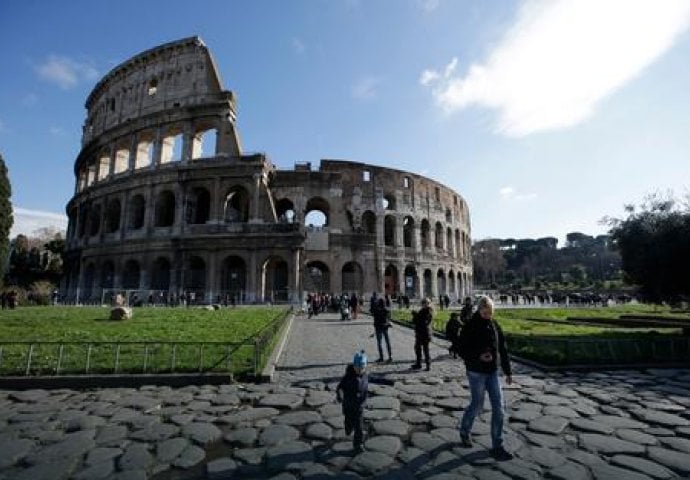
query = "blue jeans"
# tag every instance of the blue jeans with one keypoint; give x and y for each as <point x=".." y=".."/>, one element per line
<point x="382" y="333"/>
<point x="479" y="383"/>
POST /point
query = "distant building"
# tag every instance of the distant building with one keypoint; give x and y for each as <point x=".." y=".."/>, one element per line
<point x="166" y="203"/>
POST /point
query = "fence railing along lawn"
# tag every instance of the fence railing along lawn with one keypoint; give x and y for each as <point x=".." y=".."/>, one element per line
<point x="73" y="340"/>
<point x="546" y="336"/>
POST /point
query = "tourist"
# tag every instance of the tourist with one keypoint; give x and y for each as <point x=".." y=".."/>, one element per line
<point x="422" y="334"/>
<point x="452" y="330"/>
<point x="381" y="325"/>
<point x="354" y="387"/>
<point x="466" y="311"/>
<point x="354" y="305"/>
<point x="483" y="347"/>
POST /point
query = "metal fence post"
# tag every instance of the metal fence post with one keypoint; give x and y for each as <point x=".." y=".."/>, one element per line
<point x="28" y="359"/>
<point x="256" y="356"/>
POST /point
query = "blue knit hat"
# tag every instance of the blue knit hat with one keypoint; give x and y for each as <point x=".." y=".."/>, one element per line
<point x="360" y="359"/>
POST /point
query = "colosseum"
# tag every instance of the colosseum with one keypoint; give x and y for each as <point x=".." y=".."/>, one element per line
<point x="168" y="207"/>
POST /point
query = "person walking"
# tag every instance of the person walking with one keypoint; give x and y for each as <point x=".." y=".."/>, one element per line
<point x="381" y="325"/>
<point x="483" y="348"/>
<point x="422" y="334"/>
<point x="352" y="391"/>
<point x="452" y="331"/>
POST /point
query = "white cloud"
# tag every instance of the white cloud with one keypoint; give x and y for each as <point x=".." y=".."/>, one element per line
<point x="365" y="88"/>
<point x="28" y="221"/>
<point x="298" y="46"/>
<point x="65" y="72"/>
<point x="509" y="193"/>
<point x="560" y="59"/>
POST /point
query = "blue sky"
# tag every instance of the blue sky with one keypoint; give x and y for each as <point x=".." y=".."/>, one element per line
<point x="545" y="115"/>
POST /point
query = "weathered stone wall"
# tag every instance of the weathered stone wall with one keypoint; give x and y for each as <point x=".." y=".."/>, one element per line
<point x="164" y="213"/>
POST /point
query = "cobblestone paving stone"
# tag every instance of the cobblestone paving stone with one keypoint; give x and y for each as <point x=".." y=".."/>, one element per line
<point x="621" y="424"/>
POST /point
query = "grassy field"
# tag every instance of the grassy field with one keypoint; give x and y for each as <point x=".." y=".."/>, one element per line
<point x="558" y="342"/>
<point x="140" y="344"/>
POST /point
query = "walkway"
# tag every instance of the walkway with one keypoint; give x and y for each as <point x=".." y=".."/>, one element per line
<point x="622" y="425"/>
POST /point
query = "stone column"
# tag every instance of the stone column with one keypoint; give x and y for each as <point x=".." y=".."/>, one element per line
<point x="254" y="291"/>
<point x="401" y="278"/>
<point x="157" y="148"/>
<point x="294" y="275"/>
<point x="434" y="283"/>
<point x="187" y="141"/>
<point x="132" y="154"/>
<point x="124" y="211"/>
<point x="419" y="282"/>
<point x="254" y="212"/>
<point x="111" y="158"/>
<point x="211" y="277"/>
<point x="417" y="232"/>
<point x="214" y="215"/>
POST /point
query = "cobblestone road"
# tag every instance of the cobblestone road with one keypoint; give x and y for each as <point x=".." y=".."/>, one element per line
<point x="623" y="425"/>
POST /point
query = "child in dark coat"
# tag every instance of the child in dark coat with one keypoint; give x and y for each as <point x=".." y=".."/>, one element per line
<point x="352" y="392"/>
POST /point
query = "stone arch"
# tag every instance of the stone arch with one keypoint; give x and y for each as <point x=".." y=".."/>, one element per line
<point x="160" y="274"/>
<point x="131" y="275"/>
<point x="411" y="281"/>
<point x="274" y="274"/>
<point x="441" y="282"/>
<point x="352" y="278"/>
<point x="204" y="141"/>
<point x="233" y="278"/>
<point x="389" y="202"/>
<point x="236" y="205"/>
<point x="425" y="234"/>
<point x="285" y="210"/>
<point x="121" y="157"/>
<point x="391" y="280"/>
<point x="95" y="220"/>
<point x="317" y="277"/>
<point x="408" y="232"/>
<point x="137" y="212"/>
<point x="165" y="209"/>
<point x="195" y="276"/>
<point x="389" y="228"/>
<point x="428" y="287"/>
<point x="198" y="206"/>
<point x="317" y="204"/>
<point x="112" y="216"/>
<point x="438" y="236"/>
<point x="369" y="222"/>
<point x="144" y="153"/>
<point x="107" y="274"/>
<point x="171" y="145"/>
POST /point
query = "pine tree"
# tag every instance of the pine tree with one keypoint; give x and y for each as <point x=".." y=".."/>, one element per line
<point x="6" y="218"/>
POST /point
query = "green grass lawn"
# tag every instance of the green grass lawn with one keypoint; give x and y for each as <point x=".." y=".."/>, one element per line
<point x="147" y="332"/>
<point x="558" y="342"/>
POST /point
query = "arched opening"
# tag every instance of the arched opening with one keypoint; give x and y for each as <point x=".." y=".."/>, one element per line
<point x="352" y="278"/>
<point x="285" y="210"/>
<point x="411" y="281"/>
<point x="121" y="158"/>
<point x="428" y="287"/>
<point x="389" y="202"/>
<point x="408" y="232"/>
<point x="449" y="241"/>
<point x="204" y="143"/>
<point x="112" y="216"/>
<point x="391" y="280"/>
<point x="95" y="220"/>
<point x="131" y="275"/>
<point x="171" y="146"/>
<point x="425" y="234"/>
<point x="389" y="231"/>
<point x="108" y="275"/>
<point x="103" y="167"/>
<point x="317" y="277"/>
<point x="438" y="236"/>
<point x="137" y="212"/>
<point x="236" y="206"/>
<point x="458" y="244"/>
<point x="369" y="222"/>
<point x="233" y="280"/>
<point x="198" y="206"/>
<point x="144" y="154"/>
<point x="449" y="216"/>
<point x="89" y="277"/>
<point x="275" y="280"/>
<point x="165" y="209"/>
<point x="160" y="274"/>
<point x="195" y="279"/>
<point x="83" y="218"/>
<point x="441" y="282"/>
<point x="316" y="212"/>
<point x="451" y="285"/>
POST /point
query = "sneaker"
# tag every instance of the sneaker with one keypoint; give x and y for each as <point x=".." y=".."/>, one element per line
<point x="359" y="449"/>
<point x="465" y="441"/>
<point x="501" y="454"/>
<point x="416" y="366"/>
<point x="390" y="360"/>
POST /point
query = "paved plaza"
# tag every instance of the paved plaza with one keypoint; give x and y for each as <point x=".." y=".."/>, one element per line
<point x="623" y="425"/>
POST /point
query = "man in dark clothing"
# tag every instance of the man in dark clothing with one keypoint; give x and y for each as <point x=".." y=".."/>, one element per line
<point x="381" y="326"/>
<point x="422" y="334"/>
<point x="483" y="347"/>
<point x="354" y="387"/>
<point x="466" y="312"/>
<point x="452" y="330"/>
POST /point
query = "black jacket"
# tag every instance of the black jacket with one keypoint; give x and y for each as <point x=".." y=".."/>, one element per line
<point x="479" y="336"/>
<point x="422" y="324"/>
<point x="354" y="390"/>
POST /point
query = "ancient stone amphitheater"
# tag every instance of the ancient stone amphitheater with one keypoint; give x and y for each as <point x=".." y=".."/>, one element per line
<point x="168" y="207"/>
